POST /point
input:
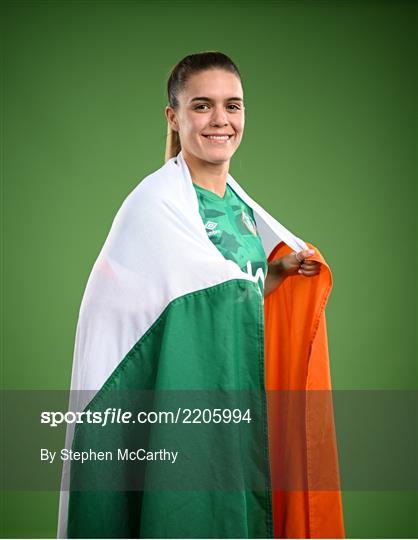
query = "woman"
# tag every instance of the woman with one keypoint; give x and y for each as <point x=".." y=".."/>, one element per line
<point x="174" y="305"/>
<point x="193" y="124"/>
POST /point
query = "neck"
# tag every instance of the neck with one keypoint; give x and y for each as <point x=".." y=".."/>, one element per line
<point x="211" y="176"/>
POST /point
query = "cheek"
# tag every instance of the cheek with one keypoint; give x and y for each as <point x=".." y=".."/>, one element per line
<point x="238" y="126"/>
<point x="193" y="129"/>
<point x="194" y="122"/>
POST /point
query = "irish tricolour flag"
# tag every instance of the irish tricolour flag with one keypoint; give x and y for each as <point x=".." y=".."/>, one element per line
<point x="167" y="324"/>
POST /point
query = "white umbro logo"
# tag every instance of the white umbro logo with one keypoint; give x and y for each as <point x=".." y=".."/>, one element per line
<point x="210" y="225"/>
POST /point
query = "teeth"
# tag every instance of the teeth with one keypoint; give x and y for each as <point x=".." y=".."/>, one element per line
<point x="224" y="138"/>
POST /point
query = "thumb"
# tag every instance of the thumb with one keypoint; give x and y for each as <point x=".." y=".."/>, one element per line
<point x="305" y="253"/>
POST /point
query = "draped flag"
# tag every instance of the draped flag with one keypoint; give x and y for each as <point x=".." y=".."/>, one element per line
<point x="165" y="314"/>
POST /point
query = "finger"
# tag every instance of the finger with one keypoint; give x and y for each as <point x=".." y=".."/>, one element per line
<point x="306" y="253"/>
<point x="298" y="256"/>
<point x="308" y="272"/>
<point x="310" y="264"/>
<point x="310" y="268"/>
<point x="301" y="255"/>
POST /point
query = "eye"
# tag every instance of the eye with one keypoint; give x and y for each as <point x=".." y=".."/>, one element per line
<point x="237" y="107"/>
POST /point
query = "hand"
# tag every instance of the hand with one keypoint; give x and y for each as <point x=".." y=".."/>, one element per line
<point x="290" y="265"/>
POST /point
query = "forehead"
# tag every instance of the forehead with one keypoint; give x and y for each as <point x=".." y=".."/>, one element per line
<point x="214" y="84"/>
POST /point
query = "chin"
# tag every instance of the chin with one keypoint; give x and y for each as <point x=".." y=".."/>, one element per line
<point x="212" y="155"/>
<point x="218" y="155"/>
<point x="213" y="158"/>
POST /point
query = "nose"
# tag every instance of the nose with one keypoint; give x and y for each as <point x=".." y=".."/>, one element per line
<point x="219" y="117"/>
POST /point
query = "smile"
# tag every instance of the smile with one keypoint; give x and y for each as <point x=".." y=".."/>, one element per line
<point x="218" y="139"/>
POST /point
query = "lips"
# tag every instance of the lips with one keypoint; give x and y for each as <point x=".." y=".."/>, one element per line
<point x="218" y="140"/>
<point x="217" y="134"/>
<point x="229" y="135"/>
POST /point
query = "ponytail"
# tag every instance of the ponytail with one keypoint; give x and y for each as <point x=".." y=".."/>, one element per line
<point x="172" y="146"/>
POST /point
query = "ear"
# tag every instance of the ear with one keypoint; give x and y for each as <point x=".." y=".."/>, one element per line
<point x="171" y="118"/>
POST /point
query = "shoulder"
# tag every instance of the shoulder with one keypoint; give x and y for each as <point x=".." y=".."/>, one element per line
<point x="145" y="214"/>
<point x="154" y="191"/>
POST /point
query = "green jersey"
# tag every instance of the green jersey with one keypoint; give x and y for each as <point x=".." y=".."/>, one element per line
<point x="230" y="225"/>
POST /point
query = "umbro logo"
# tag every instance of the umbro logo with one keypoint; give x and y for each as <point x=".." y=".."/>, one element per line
<point x="210" y="227"/>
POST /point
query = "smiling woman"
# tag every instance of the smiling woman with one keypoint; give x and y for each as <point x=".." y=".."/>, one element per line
<point x="198" y="288"/>
<point x="207" y="116"/>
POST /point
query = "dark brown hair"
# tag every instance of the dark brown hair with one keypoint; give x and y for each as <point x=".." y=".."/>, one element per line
<point x="189" y="65"/>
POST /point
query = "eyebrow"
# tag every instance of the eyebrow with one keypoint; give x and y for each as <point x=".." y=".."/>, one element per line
<point x="203" y="98"/>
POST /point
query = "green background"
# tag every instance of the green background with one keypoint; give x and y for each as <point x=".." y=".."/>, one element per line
<point x="329" y="149"/>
